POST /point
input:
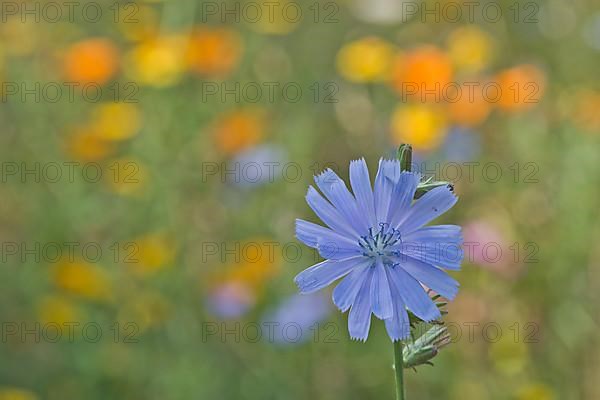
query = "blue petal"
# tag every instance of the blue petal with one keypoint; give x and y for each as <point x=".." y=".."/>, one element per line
<point x="413" y="295"/>
<point x="308" y="233"/>
<point x="443" y="255"/>
<point x="402" y="196"/>
<point x="361" y="186"/>
<point x="436" y="233"/>
<point x="381" y="297"/>
<point x="338" y="248"/>
<point x="345" y="292"/>
<point x="398" y="327"/>
<point x="438" y="245"/>
<point x="338" y="194"/>
<point x="318" y="236"/>
<point x="430" y="276"/>
<point x="327" y="213"/>
<point x="359" y="320"/>
<point x="430" y="206"/>
<point x="321" y="275"/>
<point x="387" y="176"/>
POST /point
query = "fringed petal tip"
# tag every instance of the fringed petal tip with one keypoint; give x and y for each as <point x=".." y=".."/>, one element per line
<point x="328" y="175"/>
<point x="452" y="294"/>
<point x="359" y="339"/>
<point x="305" y="285"/>
<point x="298" y="282"/>
<point x="358" y="160"/>
<point x="434" y="317"/>
<point x="399" y="338"/>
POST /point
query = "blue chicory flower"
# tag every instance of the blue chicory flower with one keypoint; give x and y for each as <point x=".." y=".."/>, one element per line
<point x="377" y="242"/>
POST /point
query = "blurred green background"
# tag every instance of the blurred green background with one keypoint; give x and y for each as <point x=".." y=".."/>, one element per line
<point x="156" y="154"/>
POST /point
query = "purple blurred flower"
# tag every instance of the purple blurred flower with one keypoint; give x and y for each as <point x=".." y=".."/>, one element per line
<point x="231" y="300"/>
<point x="259" y="165"/>
<point x="294" y="320"/>
<point x="461" y="145"/>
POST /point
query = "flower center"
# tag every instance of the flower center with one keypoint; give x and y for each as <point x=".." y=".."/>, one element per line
<point x="377" y="243"/>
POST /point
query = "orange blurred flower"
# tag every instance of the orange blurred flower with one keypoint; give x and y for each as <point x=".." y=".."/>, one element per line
<point x="424" y="69"/>
<point x="365" y="60"/>
<point x="83" y="279"/>
<point x="213" y="52"/>
<point x="469" y="107"/>
<point x="239" y="130"/>
<point x="257" y="261"/>
<point x="84" y="144"/>
<point x="92" y="60"/>
<point x="585" y="112"/>
<point x="520" y="87"/>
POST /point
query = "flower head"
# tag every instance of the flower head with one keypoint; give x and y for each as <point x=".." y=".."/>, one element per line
<point x="365" y="60"/>
<point x="91" y="61"/>
<point x="377" y="241"/>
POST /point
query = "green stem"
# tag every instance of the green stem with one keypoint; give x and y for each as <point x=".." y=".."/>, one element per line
<point x="399" y="370"/>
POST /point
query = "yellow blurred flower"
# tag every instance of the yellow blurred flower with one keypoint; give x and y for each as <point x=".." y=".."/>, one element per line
<point x="522" y="87"/>
<point x="145" y="310"/>
<point x="213" y="52"/>
<point x="84" y="144"/>
<point x="424" y="69"/>
<point x="284" y="17"/>
<point x="116" y="121"/>
<point x="126" y="176"/>
<point x="57" y="310"/>
<point x="19" y="38"/>
<point x="365" y="60"/>
<point x="535" y="391"/>
<point x="153" y="252"/>
<point x="508" y="355"/>
<point x="470" y="48"/>
<point x="470" y="108"/>
<point x="259" y="260"/>
<point x="83" y="279"/>
<point x="469" y="390"/>
<point x="158" y="61"/>
<point x="423" y="126"/>
<point x="92" y="60"/>
<point x="13" y="393"/>
<point x="585" y="110"/>
<point x="239" y="129"/>
<point x="146" y="22"/>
